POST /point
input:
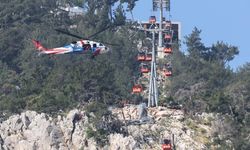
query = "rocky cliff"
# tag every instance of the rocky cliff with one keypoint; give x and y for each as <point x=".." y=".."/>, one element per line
<point x="30" y="130"/>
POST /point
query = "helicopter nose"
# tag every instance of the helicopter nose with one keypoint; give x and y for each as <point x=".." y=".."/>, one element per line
<point x="107" y="49"/>
<point x="104" y="50"/>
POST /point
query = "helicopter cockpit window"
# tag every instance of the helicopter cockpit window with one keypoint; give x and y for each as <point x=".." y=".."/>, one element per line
<point x="100" y="44"/>
<point x="94" y="45"/>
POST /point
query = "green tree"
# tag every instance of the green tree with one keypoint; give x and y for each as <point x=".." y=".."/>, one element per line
<point x="195" y="48"/>
<point x="222" y="52"/>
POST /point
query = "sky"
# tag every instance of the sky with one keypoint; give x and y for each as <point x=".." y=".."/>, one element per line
<point x="219" y="20"/>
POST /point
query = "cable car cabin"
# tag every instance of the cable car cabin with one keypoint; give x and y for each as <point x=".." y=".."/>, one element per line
<point x="148" y="57"/>
<point x="166" y="145"/>
<point x="152" y="19"/>
<point x="167" y="49"/>
<point x="137" y="89"/>
<point x="168" y="25"/>
<point x="167" y="73"/>
<point x="141" y="57"/>
<point x="144" y="69"/>
<point x="168" y="36"/>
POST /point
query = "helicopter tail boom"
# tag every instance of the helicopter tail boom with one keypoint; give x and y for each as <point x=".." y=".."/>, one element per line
<point x="38" y="45"/>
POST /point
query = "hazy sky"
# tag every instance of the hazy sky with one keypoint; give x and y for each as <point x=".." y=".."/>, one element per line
<point x="219" y="20"/>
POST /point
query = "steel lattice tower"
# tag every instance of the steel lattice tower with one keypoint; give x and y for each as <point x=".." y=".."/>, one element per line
<point x="153" y="87"/>
<point x="155" y="29"/>
<point x="161" y="4"/>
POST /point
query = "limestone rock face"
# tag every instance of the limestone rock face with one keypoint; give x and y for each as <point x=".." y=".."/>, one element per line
<point x="118" y="141"/>
<point x="167" y="124"/>
<point x="31" y="130"/>
<point x="34" y="131"/>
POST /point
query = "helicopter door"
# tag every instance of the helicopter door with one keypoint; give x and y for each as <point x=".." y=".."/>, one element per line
<point x="94" y="47"/>
<point x="86" y="46"/>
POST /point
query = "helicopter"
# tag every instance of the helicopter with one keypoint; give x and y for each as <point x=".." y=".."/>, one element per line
<point x="78" y="47"/>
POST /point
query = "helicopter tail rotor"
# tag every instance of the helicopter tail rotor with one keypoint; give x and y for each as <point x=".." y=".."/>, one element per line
<point x="38" y="45"/>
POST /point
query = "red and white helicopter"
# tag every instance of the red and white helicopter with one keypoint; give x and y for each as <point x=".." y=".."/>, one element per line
<point x="74" y="47"/>
<point x="78" y="47"/>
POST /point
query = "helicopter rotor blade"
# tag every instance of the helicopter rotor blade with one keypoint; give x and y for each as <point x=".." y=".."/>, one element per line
<point x="80" y="37"/>
<point x="70" y="34"/>
<point x="95" y="34"/>
<point x="91" y="36"/>
<point x="104" y="29"/>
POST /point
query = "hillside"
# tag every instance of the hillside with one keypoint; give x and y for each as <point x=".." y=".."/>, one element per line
<point x="38" y="86"/>
<point x="31" y="130"/>
<point x="65" y="81"/>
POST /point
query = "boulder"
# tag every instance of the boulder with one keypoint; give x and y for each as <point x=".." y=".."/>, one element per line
<point x="119" y="142"/>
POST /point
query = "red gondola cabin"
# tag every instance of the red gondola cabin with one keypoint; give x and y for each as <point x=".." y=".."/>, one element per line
<point x="168" y="36"/>
<point x="144" y="69"/>
<point x="167" y="49"/>
<point x="148" y="57"/>
<point x="166" y="145"/>
<point x="152" y="19"/>
<point x="167" y="73"/>
<point x="141" y="57"/>
<point x="137" y="89"/>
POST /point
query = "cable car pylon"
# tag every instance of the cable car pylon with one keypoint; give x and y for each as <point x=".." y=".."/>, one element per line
<point x="157" y="46"/>
<point x="153" y="90"/>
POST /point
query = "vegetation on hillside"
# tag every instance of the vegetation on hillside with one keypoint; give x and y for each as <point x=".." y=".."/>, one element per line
<point x="48" y="84"/>
<point x="202" y="81"/>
